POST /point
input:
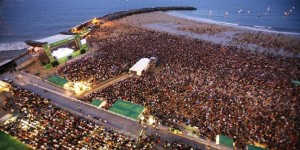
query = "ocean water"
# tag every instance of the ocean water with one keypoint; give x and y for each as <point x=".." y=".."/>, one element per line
<point x="22" y="20"/>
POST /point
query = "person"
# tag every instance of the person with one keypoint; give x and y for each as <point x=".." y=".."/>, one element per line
<point x="219" y="90"/>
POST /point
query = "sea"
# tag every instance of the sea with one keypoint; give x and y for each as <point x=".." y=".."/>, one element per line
<point x="22" y="20"/>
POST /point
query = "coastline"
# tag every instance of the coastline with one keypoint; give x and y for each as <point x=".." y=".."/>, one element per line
<point x="226" y="35"/>
<point x="15" y="46"/>
<point x="230" y="30"/>
<point x="265" y="29"/>
<point x="226" y="70"/>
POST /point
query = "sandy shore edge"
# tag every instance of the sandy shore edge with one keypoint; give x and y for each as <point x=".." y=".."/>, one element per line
<point x="281" y="44"/>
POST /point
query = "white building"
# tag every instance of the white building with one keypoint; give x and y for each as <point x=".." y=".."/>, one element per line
<point x="140" y="66"/>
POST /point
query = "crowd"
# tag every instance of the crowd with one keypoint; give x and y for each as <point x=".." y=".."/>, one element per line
<point x="177" y="145"/>
<point x="203" y="28"/>
<point x="275" y="41"/>
<point x="100" y="66"/>
<point x="271" y="41"/>
<point x="221" y="90"/>
<point x="45" y="126"/>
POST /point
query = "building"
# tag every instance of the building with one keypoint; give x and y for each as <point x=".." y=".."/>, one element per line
<point x="57" y="49"/>
<point x="7" y="65"/>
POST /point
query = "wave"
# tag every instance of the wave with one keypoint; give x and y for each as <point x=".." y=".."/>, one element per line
<point x="13" y="46"/>
<point x="172" y="13"/>
<point x="242" y="26"/>
<point x="263" y="27"/>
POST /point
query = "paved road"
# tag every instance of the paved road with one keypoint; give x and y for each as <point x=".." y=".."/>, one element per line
<point x="62" y="98"/>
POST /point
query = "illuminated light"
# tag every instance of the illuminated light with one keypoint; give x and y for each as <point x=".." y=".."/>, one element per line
<point x="62" y="52"/>
<point x="142" y="117"/>
<point x="151" y="120"/>
<point x="4" y="87"/>
<point x="78" y="87"/>
<point x="95" y="21"/>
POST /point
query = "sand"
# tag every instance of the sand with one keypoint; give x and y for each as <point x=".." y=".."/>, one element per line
<point x="260" y="41"/>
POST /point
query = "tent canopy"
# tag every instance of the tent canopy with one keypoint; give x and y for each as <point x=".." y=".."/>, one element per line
<point x="97" y="102"/>
<point x="141" y="65"/>
<point x="5" y="62"/>
<point x="127" y="109"/>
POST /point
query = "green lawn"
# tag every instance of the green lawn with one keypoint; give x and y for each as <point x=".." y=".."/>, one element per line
<point x="8" y="142"/>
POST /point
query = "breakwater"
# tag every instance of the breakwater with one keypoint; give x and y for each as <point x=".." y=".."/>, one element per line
<point x="121" y="14"/>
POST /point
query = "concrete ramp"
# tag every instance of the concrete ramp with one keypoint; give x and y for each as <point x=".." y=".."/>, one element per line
<point x="108" y="83"/>
<point x="7" y="116"/>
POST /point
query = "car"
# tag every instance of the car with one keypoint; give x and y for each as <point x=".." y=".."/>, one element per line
<point x="8" y="80"/>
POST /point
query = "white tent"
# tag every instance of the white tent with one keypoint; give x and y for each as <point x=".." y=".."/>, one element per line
<point x="140" y="66"/>
<point x="56" y="38"/>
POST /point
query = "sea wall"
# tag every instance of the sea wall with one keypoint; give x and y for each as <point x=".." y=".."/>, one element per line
<point x="121" y="14"/>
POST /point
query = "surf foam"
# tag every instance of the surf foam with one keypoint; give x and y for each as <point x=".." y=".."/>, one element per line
<point x="248" y="27"/>
<point x="13" y="46"/>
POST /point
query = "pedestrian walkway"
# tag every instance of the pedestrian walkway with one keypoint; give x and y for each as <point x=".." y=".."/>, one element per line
<point x="107" y="83"/>
<point x="7" y="116"/>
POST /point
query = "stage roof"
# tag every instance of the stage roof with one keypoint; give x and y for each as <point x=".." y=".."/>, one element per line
<point x="49" y="40"/>
<point x="97" y="102"/>
<point x="55" y="38"/>
<point x="4" y="62"/>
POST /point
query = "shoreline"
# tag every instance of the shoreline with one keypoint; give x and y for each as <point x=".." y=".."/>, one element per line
<point x="172" y="11"/>
<point x="218" y="34"/>
<point x="233" y="31"/>
<point x="265" y="29"/>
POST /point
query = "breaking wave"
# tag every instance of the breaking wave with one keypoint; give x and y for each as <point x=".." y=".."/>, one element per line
<point x="13" y="46"/>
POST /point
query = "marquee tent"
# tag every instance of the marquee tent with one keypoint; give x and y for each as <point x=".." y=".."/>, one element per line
<point x="98" y="103"/>
<point x="140" y="66"/>
<point x="127" y="109"/>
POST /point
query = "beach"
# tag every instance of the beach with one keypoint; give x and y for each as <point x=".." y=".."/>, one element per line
<point x="225" y="34"/>
<point x="221" y="79"/>
<point x="218" y="79"/>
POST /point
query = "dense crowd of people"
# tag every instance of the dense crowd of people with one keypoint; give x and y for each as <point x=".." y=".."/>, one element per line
<point x="100" y="66"/>
<point x="221" y="90"/>
<point x="204" y="28"/>
<point x="177" y="145"/>
<point x="269" y="41"/>
<point x="45" y="126"/>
